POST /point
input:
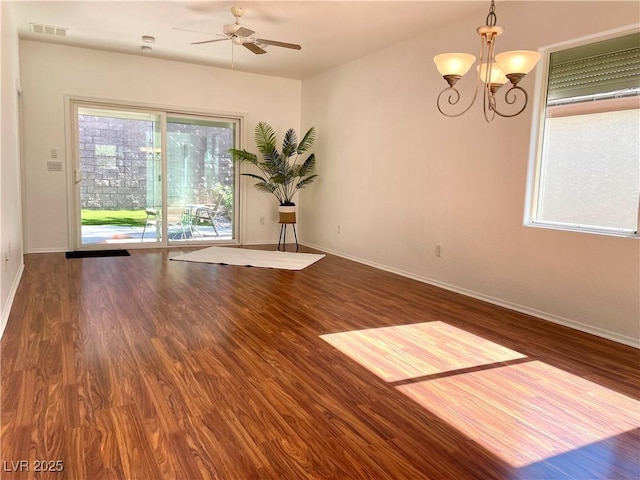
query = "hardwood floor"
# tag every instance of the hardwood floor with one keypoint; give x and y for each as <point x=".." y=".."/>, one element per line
<point x="143" y="368"/>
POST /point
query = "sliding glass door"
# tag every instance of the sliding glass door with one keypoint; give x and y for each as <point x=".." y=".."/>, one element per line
<point x="200" y="179"/>
<point x="148" y="178"/>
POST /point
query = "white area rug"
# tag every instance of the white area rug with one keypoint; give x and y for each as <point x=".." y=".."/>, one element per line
<point x="251" y="258"/>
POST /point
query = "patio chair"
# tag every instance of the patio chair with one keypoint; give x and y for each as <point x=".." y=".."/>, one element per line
<point x="208" y="213"/>
<point x="179" y="218"/>
<point x="176" y="218"/>
<point x="153" y="219"/>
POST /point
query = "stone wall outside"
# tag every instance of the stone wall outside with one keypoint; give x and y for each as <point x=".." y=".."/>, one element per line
<point x="121" y="166"/>
<point x="114" y="155"/>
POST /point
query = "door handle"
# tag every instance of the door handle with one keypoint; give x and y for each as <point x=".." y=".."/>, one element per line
<point x="78" y="176"/>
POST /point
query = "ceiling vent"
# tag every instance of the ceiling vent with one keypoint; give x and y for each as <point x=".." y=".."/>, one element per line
<point x="48" y="29"/>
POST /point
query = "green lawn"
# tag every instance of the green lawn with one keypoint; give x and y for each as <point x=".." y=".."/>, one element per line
<point x="132" y="218"/>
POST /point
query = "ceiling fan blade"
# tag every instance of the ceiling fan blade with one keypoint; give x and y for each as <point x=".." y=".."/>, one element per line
<point x="244" y="32"/>
<point x="210" y="41"/>
<point x="254" y="48"/>
<point x="279" y="44"/>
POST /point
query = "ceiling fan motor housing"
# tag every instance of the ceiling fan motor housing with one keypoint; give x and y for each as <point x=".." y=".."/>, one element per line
<point x="231" y="28"/>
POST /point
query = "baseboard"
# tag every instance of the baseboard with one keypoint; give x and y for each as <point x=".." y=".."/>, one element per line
<point x="47" y="250"/>
<point x="266" y="242"/>
<point x="6" y="309"/>
<point x="550" y="317"/>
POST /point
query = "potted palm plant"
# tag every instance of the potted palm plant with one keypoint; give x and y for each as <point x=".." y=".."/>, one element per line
<point x="282" y="174"/>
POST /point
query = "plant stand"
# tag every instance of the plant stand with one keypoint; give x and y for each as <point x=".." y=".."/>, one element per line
<point x="282" y="239"/>
<point x="287" y="216"/>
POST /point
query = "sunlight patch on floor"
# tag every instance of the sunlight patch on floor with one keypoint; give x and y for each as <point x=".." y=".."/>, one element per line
<point x="523" y="411"/>
<point x="528" y="412"/>
<point x="410" y="351"/>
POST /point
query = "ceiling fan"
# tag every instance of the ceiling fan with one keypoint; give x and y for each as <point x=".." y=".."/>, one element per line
<point x="241" y="35"/>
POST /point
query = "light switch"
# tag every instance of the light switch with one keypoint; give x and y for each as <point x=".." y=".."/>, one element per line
<point x="54" y="153"/>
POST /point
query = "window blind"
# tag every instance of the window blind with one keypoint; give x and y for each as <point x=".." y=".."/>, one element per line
<point x="595" y="68"/>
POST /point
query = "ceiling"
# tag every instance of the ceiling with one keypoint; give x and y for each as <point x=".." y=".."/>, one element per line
<point x="330" y="32"/>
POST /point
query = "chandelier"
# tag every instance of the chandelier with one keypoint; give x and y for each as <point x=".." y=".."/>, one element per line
<point x="492" y="72"/>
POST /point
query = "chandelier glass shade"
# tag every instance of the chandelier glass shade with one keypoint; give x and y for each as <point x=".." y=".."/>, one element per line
<point x="493" y="71"/>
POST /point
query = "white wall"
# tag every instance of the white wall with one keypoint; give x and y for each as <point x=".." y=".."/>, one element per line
<point x="49" y="72"/>
<point x="10" y="203"/>
<point x="399" y="179"/>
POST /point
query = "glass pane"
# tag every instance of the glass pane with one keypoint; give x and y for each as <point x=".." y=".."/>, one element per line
<point x="200" y="179"/>
<point x="119" y="157"/>
<point x="591" y="170"/>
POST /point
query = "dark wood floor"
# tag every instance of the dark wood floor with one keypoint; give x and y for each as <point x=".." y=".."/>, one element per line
<point x="143" y="368"/>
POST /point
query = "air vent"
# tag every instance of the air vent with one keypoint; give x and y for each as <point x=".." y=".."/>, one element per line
<point x="48" y="29"/>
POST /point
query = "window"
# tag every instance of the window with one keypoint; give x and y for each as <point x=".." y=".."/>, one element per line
<point x="587" y="175"/>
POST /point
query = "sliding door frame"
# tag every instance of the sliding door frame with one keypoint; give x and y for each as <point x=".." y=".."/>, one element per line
<point x="73" y="102"/>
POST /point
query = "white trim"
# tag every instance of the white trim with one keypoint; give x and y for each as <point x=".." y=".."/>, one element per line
<point x="550" y="317"/>
<point x="239" y="194"/>
<point x="71" y="129"/>
<point x="170" y="109"/>
<point x="593" y="37"/>
<point x="6" y="309"/>
<point x="568" y="227"/>
<point x="268" y="242"/>
<point x="47" y="250"/>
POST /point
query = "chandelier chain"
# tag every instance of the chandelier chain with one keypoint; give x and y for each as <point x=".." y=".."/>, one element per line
<point x="492" y="18"/>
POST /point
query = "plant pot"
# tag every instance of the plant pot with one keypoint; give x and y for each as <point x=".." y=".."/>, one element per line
<point x="287" y="214"/>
